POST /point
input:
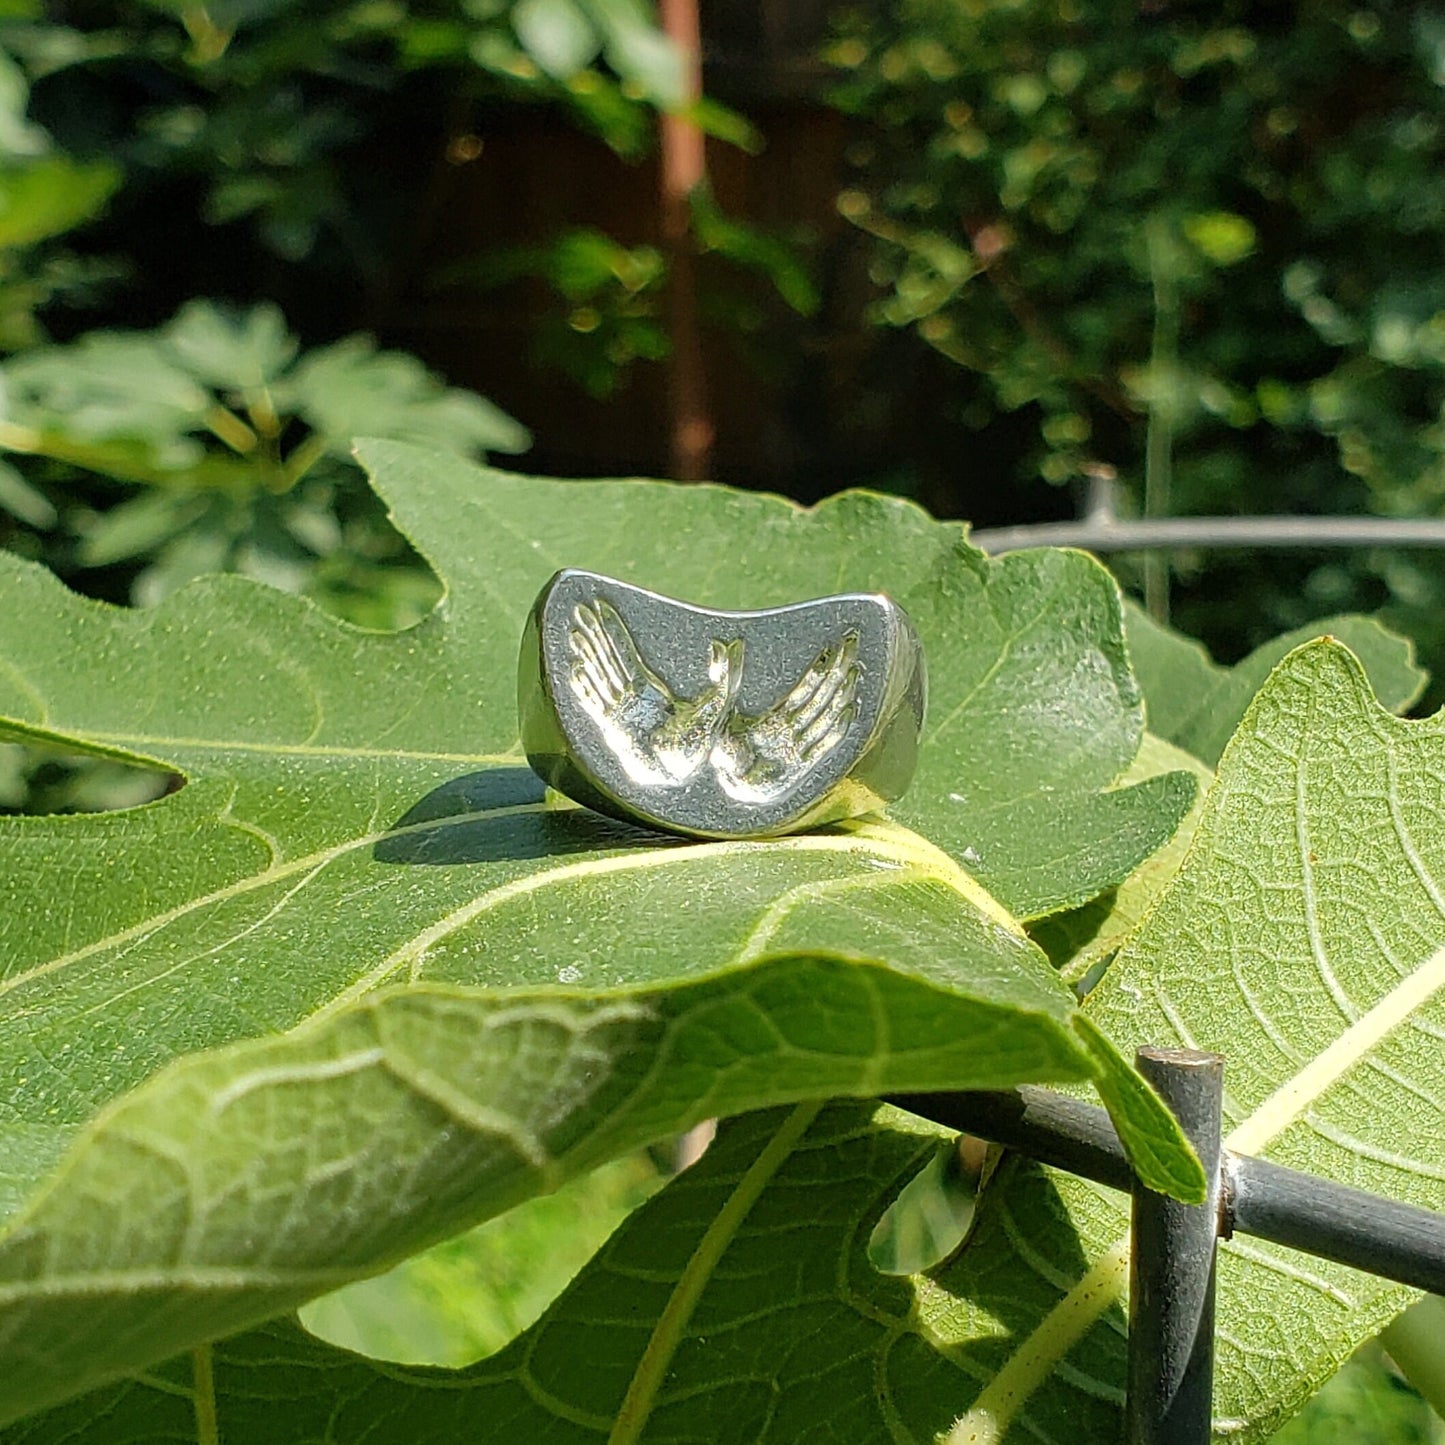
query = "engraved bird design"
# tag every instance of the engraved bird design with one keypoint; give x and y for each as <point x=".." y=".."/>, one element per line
<point x="760" y="758"/>
<point x="658" y="737"/>
<point x="662" y="738"/>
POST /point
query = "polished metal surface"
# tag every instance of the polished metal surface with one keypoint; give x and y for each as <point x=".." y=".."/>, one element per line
<point x="719" y="724"/>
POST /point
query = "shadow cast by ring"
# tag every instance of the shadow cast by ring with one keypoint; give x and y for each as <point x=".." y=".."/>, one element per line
<point x="501" y="815"/>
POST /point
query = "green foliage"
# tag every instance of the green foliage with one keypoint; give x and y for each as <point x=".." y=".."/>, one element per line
<point x="1196" y="704"/>
<point x="266" y="104"/>
<point x="566" y="36"/>
<point x="609" y="302"/>
<point x="270" y="116"/>
<point x="753" y="249"/>
<point x="273" y="124"/>
<point x="43" y="194"/>
<point x="266" y="121"/>
<point x="48" y="197"/>
<point x="358" y="984"/>
<point x="609" y="298"/>
<point x="1217" y="229"/>
<point x="1294" y="172"/>
<point x="242" y="446"/>
<point x="1367" y="1403"/>
<point x="374" y="987"/>
<point x="1082" y="940"/>
<point x="470" y="1296"/>
<point x="271" y="107"/>
<point x="238" y="441"/>
<point x="1193" y="706"/>
<point x="1320" y="817"/>
<point x="250" y="852"/>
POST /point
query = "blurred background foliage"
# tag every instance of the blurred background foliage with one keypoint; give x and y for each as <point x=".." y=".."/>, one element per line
<point x="978" y="252"/>
<point x="987" y="254"/>
<point x="466" y="1298"/>
<point x="1219" y="229"/>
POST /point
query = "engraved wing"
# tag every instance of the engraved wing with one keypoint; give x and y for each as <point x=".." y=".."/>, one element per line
<point x="659" y="737"/>
<point x="760" y="758"/>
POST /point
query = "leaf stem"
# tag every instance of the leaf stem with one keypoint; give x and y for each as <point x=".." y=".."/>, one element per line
<point x="226" y="426"/>
<point x="987" y="1420"/>
<point x="111" y="462"/>
<point x="207" y="1430"/>
<point x="261" y="409"/>
<point x="302" y="459"/>
<point x="209" y="41"/>
<point x="667" y="1334"/>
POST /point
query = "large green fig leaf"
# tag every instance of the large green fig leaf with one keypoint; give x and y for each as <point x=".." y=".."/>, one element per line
<point x="780" y="1330"/>
<point x="429" y="991"/>
<point x="240" y="1183"/>
<point x="1303" y="938"/>
<point x="1081" y="940"/>
<point x="1196" y="704"/>
<point x="739" y="1304"/>
<point x="1193" y="707"/>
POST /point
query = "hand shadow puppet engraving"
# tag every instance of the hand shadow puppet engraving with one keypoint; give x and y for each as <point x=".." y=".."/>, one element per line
<point x="719" y="724"/>
<point x="662" y="738"/>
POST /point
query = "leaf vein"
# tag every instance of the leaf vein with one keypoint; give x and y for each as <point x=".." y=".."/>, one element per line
<point x="315" y="861"/>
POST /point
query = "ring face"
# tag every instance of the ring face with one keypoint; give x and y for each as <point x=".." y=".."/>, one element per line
<point x="719" y="724"/>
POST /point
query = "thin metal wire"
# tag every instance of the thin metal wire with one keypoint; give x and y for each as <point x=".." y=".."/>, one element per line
<point x="1101" y="533"/>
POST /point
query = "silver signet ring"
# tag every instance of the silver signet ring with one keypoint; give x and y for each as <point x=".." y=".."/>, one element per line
<point x="719" y="724"/>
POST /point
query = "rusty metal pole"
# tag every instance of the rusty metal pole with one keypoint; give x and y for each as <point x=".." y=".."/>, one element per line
<point x="684" y="169"/>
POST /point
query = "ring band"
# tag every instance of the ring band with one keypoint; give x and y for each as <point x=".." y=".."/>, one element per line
<point x="719" y="724"/>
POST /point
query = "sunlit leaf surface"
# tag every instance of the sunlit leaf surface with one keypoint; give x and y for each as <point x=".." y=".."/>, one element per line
<point x="360" y="984"/>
